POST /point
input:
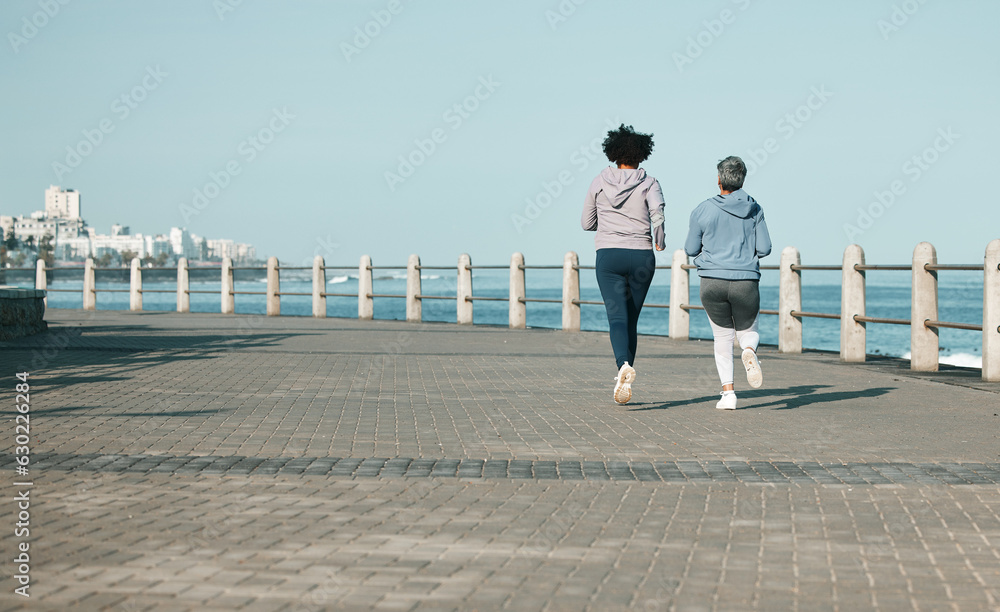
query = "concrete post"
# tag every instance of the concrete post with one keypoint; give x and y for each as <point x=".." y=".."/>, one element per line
<point x="366" y="304"/>
<point x="414" y="306"/>
<point x="228" y="286"/>
<point x="319" y="287"/>
<point x="273" y="288"/>
<point x="924" y="307"/>
<point x="518" y="312"/>
<point x="852" y="302"/>
<point x="464" y="290"/>
<point x="680" y="289"/>
<point x="89" y="285"/>
<point x="183" y="286"/>
<point x="571" y="292"/>
<point x="135" y="285"/>
<point x="41" y="280"/>
<point x="789" y="299"/>
<point x="991" y="313"/>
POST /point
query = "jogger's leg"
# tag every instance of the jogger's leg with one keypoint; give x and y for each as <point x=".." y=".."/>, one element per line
<point x="723" y="351"/>
<point x="749" y="338"/>
<point x="640" y="278"/>
<point x="614" y="286"/>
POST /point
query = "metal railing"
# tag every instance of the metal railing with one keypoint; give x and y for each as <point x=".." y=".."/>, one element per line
<point x="924" y="321"/>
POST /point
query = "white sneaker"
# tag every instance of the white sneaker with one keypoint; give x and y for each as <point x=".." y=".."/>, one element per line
<point x="754" y="376"/>
<point x="623" y="383"/>
<point x="728" y="401"/>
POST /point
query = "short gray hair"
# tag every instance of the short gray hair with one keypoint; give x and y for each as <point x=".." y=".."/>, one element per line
<point x="732" y="172"/>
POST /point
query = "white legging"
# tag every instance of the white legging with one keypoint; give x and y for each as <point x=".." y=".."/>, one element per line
<point x="724" y="347"/>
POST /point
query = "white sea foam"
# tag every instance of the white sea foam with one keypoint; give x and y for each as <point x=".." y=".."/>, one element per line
<point x="337" y="279"/>
<point x="965" y="360"/>
<point x="962" y="360"/>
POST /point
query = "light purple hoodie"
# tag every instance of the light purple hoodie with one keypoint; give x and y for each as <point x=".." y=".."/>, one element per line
<point x="621" y="205"/>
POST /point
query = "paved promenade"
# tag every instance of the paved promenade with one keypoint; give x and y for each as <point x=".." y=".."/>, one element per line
<point x="210" y="462"/>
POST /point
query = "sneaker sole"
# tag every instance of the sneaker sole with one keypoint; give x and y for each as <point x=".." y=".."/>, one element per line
<point x="754" y="376"/>
<point x="623" y="393"/>
<point x="623" y="389"/>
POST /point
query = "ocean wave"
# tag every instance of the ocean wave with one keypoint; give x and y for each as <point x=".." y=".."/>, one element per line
<point x="333" y="280"/>
<point x="962" y="360"/>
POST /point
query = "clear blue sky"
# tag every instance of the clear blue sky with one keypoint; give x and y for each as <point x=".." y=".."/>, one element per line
<point x="709" y="79"/>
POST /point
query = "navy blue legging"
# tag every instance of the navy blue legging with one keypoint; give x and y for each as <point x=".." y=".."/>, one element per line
<point x="624" y="276"/>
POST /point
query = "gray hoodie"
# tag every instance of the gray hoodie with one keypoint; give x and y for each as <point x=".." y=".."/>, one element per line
<point x="728" y="236"/>
<point x="620" y="206"/>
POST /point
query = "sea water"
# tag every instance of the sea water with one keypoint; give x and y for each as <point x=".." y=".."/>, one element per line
<point x="960" y="299"/>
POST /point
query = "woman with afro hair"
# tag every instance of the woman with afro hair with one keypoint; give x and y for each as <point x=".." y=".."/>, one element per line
<point x="625" y="207"/>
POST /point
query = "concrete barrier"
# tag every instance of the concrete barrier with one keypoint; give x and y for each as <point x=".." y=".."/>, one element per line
<point x="183" y="286"/>
<point x="41" y="278"/>
<point x="924" y="342"/>
<point x="789" y="301"/>
<point x="517" y="308"/>
<point x="414" y="310"/>
<point x="571" y="292"/>
<point x="924" y="339"/>
<point x="991" y="313"/>
<point x="89" y="285"/>
<point x="679" y="323"/>
<point x="852" y="302"/>
<point x="22" y="312"/>
<point x="228" y="286"/>
<point x="366" y="304"/>
<point x="319" y="287"/>
<point x="135" y="285"/>
<point x="463" y="293"/>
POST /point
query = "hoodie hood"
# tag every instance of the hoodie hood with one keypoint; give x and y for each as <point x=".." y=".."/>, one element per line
<point x="738" y="204"/>
<point x="618" y="184"/>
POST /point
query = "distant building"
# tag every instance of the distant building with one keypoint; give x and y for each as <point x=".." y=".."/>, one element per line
<point x="159" y="245"/>
<point x="183" y="244"/>
<point x="62" y="203"/>
<point x="72" y="239"/>
<point x="6" y="225"/>
<point x="101" y="245"/>
<point x="218" y="249"/>
<point x="245" y="252"/>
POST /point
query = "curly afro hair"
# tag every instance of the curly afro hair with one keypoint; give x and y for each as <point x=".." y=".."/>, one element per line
<point x="626" y="147"/>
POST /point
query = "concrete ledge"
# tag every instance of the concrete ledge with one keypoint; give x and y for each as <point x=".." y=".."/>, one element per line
<point x="22" y="312"/>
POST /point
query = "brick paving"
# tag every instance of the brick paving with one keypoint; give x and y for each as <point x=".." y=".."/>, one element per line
<point x="209" y="462"/>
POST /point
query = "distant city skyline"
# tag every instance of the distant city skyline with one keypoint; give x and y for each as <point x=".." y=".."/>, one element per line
<point x="391" y="127"/>
<point x="62" y="228"/>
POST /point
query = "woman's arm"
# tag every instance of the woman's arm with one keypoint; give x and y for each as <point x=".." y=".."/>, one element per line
<point x="656" y="205"/>
<point x="589" y="219"/>
<point x="693" y="244"/>
<point x="762" y="235"/>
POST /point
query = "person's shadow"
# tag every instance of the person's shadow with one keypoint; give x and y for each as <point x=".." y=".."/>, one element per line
<point x="787" y="398"/>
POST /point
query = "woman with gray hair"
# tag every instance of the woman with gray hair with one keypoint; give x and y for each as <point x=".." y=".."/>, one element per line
<point x="727" y="238"/>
